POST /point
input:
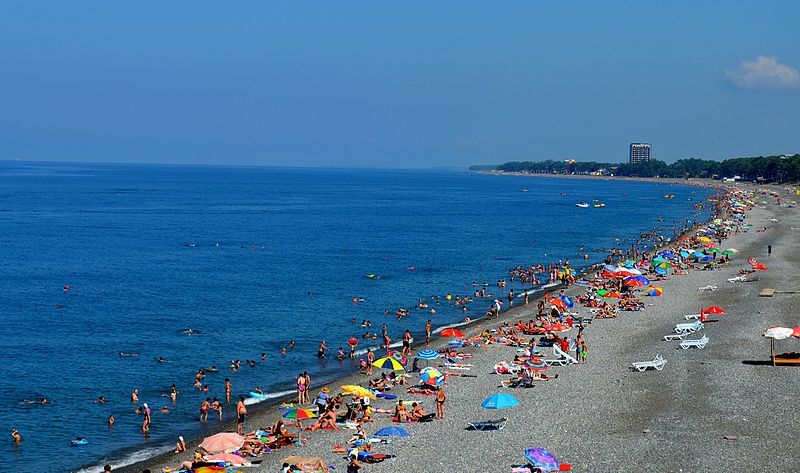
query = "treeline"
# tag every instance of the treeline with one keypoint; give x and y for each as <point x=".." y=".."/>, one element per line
<point x="766" y="168"/>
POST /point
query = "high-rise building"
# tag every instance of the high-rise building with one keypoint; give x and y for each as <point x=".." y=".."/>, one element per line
<point x="640" y="152"/>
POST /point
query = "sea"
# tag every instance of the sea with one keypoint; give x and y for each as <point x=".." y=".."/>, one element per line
<point x="99" y="259"/>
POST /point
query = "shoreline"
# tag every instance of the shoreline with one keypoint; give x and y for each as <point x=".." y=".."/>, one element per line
<point x="266" y="412"/>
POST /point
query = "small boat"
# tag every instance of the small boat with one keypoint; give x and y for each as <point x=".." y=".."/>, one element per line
<point x="582" y="205"/>
<point x="524" y="189"/>
<point x="79" y="441"/>
<point x="600" y="204"/>
<point x="669" y="196"/>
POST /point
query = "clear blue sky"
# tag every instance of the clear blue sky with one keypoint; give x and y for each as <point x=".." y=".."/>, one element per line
<point x="396" y="84"/>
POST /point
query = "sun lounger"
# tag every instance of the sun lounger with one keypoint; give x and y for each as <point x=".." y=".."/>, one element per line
<point x="562" y="358"/>
<point x="688" y="328"/>
<point x="698" y="343"/>
<point x="488" y="425"/>
<point x="507" y="368"/>
<point x="691" y="316"/>
<point x="456" y="366"/>
<point x="657" y="363"/>
<point x="675" y="336"/>
<point x="710" y="287"/>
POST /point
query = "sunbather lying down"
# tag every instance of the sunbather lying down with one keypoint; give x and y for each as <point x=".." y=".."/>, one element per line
<point x="307" y="463"/>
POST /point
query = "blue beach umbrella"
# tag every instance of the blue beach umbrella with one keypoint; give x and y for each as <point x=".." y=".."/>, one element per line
<point x="684" y="254"/>
<point x="542" y="459"/>
<point x="667" y="254"/>
<point x="392" y="432"/>
<point x="500" y="401"/>
<point x="427" y="354"/>
<point x="567" y="301"/>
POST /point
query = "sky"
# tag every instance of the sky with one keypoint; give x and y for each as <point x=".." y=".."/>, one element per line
<point x="396" y="84"/>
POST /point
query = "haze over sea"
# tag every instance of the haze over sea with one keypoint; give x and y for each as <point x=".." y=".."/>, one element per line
<point x="253" y="258"/>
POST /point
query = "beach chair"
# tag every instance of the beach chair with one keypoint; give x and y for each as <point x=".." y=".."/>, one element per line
<point x="487" y="425"/>
<point x="561" y="358"/>
<point x="657" y="363"/>
<point x="710" y="287"/>
<point x="507" y="368"/>
<point x="698" y="343"/>
<point x="691" y="316"/>
<point x="688" y="328"/>
<point x="671" y="337"/>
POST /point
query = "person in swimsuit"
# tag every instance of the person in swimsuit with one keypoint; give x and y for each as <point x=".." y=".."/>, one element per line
<point x="441" y="397"/>
<point x="204" y="410"/>
<point x="308" y="387"/>
<point x="428" y="332"/>
<point x="301" y="388"/>
<point x="321" y="350"/>
<point x="241" y="413"/>
<point x="228" y="387"/>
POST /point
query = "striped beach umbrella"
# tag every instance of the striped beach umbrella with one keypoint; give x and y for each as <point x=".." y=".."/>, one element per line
<point x="535" y="364"/>
<point x="654" y="291"/>
<point x="427" y="354"/>
<point x="388" y="363"/>
<point x="299" y="413"/>
<point x="431" y="376"/>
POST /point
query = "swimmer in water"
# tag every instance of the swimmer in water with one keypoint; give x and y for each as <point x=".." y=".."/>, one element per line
<point x="291" y="344"/>
<point x="161" y="359"/>
<point x="101" y="400"/>
<point x="283" y="351"/>
<point x="111" y="421"/>
<point x="263" y="357"/>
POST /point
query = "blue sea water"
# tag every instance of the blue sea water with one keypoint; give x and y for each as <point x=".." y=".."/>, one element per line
<point x="253" y="258"/>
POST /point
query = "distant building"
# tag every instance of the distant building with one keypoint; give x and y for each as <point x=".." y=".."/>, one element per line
<point x="640" y="152"/>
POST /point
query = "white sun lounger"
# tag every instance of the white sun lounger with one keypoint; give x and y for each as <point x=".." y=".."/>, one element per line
<point x="691" y="316"/>
<point x="657" y="363"/>
<point x="675" y="336"/>
<point x="688" y="328"/>
<point x="710" y="287"/>
<point x="562" y="358"/>
<point x="698" y="343"/>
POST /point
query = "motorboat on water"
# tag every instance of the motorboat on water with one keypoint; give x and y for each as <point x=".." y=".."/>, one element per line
<point x="582" y="205"/>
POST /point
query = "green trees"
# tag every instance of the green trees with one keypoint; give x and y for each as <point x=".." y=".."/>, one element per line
<point x="769" y="168"/>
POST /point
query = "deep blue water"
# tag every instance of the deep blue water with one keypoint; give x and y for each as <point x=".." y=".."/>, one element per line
<point x="119" y="236"/>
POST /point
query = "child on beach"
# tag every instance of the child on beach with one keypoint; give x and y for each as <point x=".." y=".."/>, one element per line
<point x="583" y="352"/>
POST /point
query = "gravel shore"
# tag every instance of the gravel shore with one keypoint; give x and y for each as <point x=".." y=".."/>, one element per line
<point x="601" y="416"/>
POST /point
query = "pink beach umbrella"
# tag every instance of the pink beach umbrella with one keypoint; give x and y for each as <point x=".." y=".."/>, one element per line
<point x="223" y="442"/>
<point x="229" y="458"/>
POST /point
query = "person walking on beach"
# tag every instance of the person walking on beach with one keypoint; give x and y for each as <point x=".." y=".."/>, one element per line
<point x="370" y="360"/>
<point x="241" y="413"/>
<point x="769" y="250"/>
<point x="428" y="332"/>
<point x="583" y="352"/>
<point x="441" y="397"/>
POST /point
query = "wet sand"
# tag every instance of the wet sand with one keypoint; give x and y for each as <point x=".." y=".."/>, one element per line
<point x="601" y="416"/>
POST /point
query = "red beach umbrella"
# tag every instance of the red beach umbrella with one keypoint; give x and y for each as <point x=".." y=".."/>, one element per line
<point x="557" y="328"/>
<point x="796" y="332"/>
<point x="557" y="302"/>
<point x="760" y="267"/>
<point x="612" y="294"/>
<point x="623" y="274"/>
<point x="452" y="332"/>
<point x="634" y="283"/>
<point x="607" y="275"/>
<point x="713" y="310"/>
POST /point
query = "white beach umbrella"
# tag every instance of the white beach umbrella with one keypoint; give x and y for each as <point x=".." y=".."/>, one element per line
<point x="778" y="333"/>
<point x="629" y="270"/>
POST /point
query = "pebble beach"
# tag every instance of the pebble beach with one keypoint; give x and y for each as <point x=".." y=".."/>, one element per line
<point x="714" y="409"/>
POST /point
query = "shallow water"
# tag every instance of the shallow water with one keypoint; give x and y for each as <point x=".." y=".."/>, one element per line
<point x="252" y="257"/>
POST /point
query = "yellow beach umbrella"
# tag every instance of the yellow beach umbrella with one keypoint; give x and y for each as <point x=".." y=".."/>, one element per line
<point x="358" y="391"/>
<point x="388" y="363"/>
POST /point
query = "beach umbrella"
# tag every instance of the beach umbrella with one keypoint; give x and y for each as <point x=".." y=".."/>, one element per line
<point x="663" y="265"/>
<point x="612" y="295"/>
<point x="654" y="291"/>
<point x="667" y="254"/>
<point x="711" y="247"/>
<point x="602" y="292"/>
<point x="607" y="274"/>
<point x="713" y="310"/>
<point x="399" y="356"/>
<point x="299" y="413"/>
<point x="554" y="301"/>
<point x="392" y="432"/>
<point x="535" y="364"/>
<point x="657" y="260"/>
<point x="431" y="377"/>
<point x="499" y="401"/>
<point x="541" y="459"/>
<point x="778" y="333"/>
<point x="661" y="271"/>
<point x="684" y="254"/>
<point x="760" y="267"/>
<point x="388" y="363"/>
<point x="623" y="274"/>
<point x="704" y="239"/>
<point x="451" y="332"/>
<point x="427" y="354"/>
<point x="629" y="263"/>
<point x="358" y="391"/>
<point x="728" y="252"/>
<point x="567" y="300"/>
<point x="229" y="458"/>
<point x="636" y="281"/>
<point x="223" y="442"/>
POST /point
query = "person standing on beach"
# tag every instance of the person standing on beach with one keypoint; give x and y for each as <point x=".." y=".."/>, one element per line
<point x="511" y="298"/>
<point x="370" y="360"/>
<point x="241" y="413"/>
<point x="441" y="397"/>
<point x="406" y="343"/>
<point x="428" y="332"/>
<point x="583" y="352"/>
<point x="228" y="387"/>
<point x="769" y="250"/>
<point x="217" y="406"/>
<point x="308" y="387"/>
<point x="301" y="387"/>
